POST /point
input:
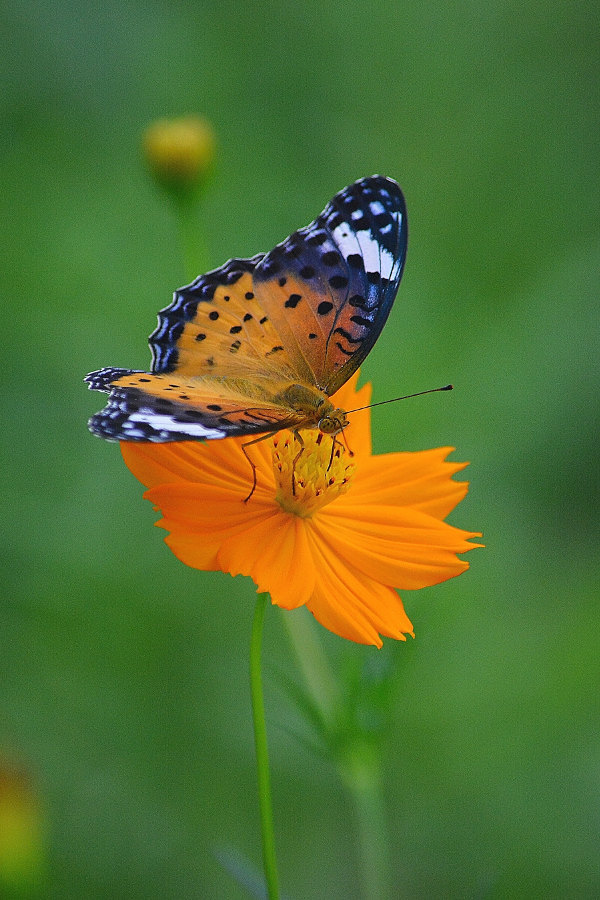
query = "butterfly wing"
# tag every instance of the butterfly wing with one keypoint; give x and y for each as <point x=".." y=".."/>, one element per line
<point x="308" y="312"/>
<point x="160" y="408"/>
<point x="218" y="364"/>
<point x="329" y="287"/>
<point x="217" y="325"/>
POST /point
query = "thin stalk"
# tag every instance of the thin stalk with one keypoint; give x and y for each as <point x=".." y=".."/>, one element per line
<point x="363" y="777"/>
<point x="195" y="257"/>
<point x="313" y="662"/>
<point x="262" y="753"/>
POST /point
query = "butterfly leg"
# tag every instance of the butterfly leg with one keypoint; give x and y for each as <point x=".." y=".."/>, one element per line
<point x="343" y="443"/>
<point x="335" y="442"/>
<point x="263" y="437"/>
<point x="300" y="440"/>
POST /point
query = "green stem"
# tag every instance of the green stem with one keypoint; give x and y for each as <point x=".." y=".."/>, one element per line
<point x="358" y="762"/>
<point x="362" y="773"/>
<point x="262" y="753"/>
<point x="312" y="662"/>
<point x="195" y="257"/>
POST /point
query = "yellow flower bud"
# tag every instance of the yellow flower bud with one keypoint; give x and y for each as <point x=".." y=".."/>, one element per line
<point x="21" y="834"/>
<point x="180" y="152"/>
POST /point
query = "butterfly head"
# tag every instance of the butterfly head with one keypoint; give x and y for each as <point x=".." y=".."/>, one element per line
<point x="332" y="422"/>
<point x="313" y="409"/>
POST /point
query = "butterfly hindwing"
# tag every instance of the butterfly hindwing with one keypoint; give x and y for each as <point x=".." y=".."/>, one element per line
<point x="171" y="407"/>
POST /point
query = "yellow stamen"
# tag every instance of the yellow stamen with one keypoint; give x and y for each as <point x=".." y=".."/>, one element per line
<point x="318" y="475"/>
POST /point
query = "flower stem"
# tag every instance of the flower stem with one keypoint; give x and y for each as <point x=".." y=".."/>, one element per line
<point x="312" y="662"/>
<point x="362" y="773"/>
<point x="195" y="257"/>
<point x="262" y="753"/>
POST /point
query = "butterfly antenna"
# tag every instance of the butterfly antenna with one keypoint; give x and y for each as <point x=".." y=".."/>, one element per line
<point x="447" y="387"/>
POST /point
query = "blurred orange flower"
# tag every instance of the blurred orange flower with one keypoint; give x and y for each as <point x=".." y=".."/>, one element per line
<point x="336" y="529"/>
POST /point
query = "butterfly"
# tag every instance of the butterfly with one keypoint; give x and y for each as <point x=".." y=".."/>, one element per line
<point x="261" y="344"/>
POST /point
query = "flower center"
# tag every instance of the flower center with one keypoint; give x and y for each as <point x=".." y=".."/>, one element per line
<point x="311" y="473"/>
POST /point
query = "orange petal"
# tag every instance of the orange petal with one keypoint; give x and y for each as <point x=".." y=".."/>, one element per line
<point x="218" y="462"/>
<point x="421" y="480"/>
<point x="275" y="554"/>
<point x="396" y="546"/>
<point x="355" y="607"/>
<point x="210" y="529"/>
<point x="358" y="433"/>
<point x="160" y="463"/>
<point x="201" y="517"/>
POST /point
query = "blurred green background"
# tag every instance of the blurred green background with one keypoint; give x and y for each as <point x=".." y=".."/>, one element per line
<point x="123" y="692"/>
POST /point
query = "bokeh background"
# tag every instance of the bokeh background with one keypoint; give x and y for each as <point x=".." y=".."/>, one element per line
<point x="124" y="701"/>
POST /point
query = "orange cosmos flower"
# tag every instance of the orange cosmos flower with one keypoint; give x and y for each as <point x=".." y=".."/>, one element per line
<point x="352" y="529"/>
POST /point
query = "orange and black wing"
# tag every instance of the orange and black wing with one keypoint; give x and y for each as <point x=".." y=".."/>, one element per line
<point x="308" y="312"/>
<point x="331" y="285"/>
<point x="174" y="407"/>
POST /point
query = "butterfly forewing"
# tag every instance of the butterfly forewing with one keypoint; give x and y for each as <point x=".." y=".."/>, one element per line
<point x="330" y="286"/>
<point x="217" y="326"/>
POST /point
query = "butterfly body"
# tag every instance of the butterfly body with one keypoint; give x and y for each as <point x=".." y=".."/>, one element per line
<point x="260" y="344"/>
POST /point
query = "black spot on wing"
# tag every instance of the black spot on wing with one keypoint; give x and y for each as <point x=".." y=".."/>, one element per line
<point x="367" y="222"/>
<point x="351" y="257"/>
<point x="184" y="306"/>
<point x="346" y="335"/>
<point x="331" y="258"/>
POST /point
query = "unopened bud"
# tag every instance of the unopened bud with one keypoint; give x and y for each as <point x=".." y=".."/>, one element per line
<point x="21" y="834"/>
<point x="180" y="153"/>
